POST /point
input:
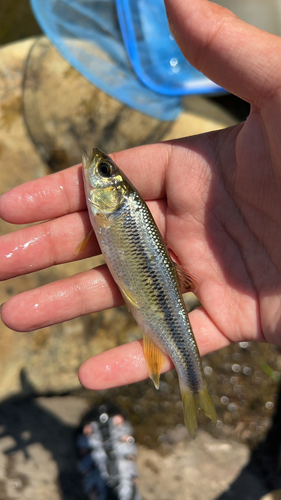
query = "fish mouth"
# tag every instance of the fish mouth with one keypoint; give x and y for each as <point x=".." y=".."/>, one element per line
<point x="85" y="168"/>
<point x="85" y="160"/>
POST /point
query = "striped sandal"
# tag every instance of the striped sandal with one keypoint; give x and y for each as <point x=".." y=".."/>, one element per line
<point x="106" y="453"/>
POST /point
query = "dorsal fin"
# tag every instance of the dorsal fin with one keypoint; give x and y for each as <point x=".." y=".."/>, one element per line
<point x="187" y="280"/>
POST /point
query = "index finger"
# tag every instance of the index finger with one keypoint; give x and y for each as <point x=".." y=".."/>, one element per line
<point x="63" y="192"/>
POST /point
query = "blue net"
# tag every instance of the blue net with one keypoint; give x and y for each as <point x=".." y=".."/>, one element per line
<point x="153" y="52"/>
<point x="123" y="47"/>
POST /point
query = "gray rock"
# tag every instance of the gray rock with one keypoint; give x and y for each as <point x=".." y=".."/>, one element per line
<point x="193" y="470"/>
<point x="66" y="114"/>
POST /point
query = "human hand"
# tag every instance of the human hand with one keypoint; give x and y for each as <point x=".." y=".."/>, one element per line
<point x="216" y="198"/>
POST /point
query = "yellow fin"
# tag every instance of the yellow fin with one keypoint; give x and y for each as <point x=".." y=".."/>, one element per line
<point x="187" y="280"/>
<point x="191" y="403"/>
<point x="205" y="402"/>
<point x="82" y="245"/>
<point x="129" y="300"/>
<point x="102" y="221"/>
<point x="154" y="358"/>
<point x="189" y="411"/>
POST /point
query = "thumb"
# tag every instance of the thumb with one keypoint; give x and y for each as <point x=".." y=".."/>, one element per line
<point x="237" y="56"/>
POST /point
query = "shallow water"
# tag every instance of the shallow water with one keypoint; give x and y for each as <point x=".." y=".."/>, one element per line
<point x="243" y="380"/>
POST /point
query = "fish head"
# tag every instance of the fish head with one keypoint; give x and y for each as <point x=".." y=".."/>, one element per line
<point x="105" y="185"/>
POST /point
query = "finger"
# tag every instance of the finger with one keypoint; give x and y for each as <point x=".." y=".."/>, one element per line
<point x="119" y="366"/>
<point x="63" y="193"/>
<point x="83" y="293"/>
<point x="44" y="245"/>
<point x="45" y="198"/>
<point x="126" y="364"/>
<point x="232" y="53"/>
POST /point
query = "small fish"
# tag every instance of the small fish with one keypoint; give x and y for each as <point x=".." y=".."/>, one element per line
<point x="149" y="281"/>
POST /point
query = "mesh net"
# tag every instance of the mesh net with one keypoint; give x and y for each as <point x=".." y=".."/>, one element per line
<point x="141" y="65"/>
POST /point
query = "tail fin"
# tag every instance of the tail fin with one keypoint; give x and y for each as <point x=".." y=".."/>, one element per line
<point x="191" y="403"/>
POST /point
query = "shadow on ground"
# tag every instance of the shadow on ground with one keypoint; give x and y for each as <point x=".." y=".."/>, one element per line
<point x="262" y="474"/>
<point x="38" y="453"/>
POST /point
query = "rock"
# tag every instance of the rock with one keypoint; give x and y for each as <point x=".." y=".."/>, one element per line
<point x="55" y="353"/>
<point x="273" y="495"/>
<point x="66" y="114"/>
<point x="18" y="156"/>
<point x="199" y="116"/>
<point x="199" y="469"/>
<point x="47" y="125"/>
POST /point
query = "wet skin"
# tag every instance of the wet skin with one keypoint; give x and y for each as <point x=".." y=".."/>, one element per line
<point x="216" y="198"/>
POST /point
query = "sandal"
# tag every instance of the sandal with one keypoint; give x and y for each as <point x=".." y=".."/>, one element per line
<point x="106" y="453"/>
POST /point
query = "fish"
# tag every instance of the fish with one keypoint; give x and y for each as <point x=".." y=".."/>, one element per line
<point x="148" y="279"/>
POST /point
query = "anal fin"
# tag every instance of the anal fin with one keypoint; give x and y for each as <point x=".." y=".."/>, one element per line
<point x="154" y="358"/>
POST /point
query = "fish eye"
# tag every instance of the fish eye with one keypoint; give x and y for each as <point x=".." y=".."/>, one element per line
<point x="105" y="169"/>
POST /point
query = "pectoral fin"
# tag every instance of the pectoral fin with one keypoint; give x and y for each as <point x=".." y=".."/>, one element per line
<point x="102" y="221"/>
<point x="187" y="280"/>
<point x="154" y="358"/>
<point x="129" y="299"/>
<point x="82" y="245"/>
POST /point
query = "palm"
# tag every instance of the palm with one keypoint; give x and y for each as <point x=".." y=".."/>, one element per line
<point x="221" y="217"/>
<point x="216" y="198"/>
